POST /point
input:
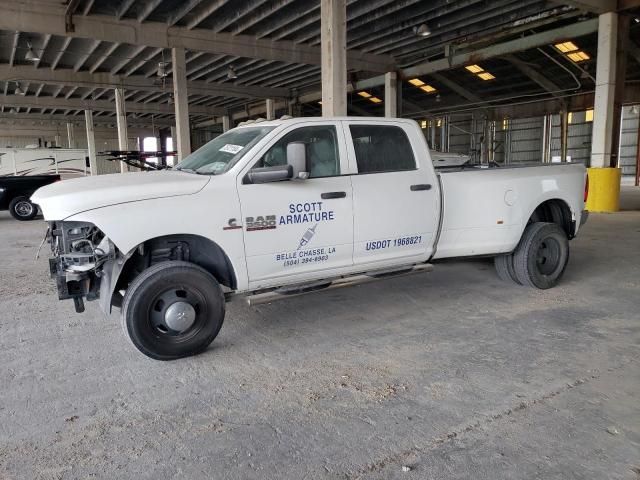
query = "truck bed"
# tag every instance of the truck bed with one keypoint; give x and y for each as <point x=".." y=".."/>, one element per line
<point x="487" y="215"/>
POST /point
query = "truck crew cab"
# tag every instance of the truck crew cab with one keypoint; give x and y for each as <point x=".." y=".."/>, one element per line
<point x="275" y="208"/>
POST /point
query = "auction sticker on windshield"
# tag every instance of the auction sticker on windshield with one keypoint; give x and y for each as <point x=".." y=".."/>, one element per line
<point x="231" y="148"/>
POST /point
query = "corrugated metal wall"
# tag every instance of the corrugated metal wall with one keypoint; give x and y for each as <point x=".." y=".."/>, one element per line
<point x="629" y="140"/>
<point x="521" y="140"/>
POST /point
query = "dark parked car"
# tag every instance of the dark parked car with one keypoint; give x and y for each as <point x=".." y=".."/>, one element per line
<point x="16" y="190"/>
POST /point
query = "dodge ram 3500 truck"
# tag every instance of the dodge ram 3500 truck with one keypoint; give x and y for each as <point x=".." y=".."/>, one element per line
<point x="276" y="208"/>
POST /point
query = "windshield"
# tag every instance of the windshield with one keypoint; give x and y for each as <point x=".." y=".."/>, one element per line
<point x="221" y="153"/>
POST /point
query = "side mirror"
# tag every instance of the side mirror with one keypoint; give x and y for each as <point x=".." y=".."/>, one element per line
<point x="269" y="174"/>
<point x="297" y="159"/>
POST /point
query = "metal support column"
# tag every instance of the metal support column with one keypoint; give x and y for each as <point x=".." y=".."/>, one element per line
<point x="333" y="44"/>
<point x="71" y="139"/>
<point x="121" y="118"/>
<point x="180" y="96"/>
<point x="91" y="142"/>
<point x="226" y="123"/>
<point x="271" y="109"/>
<point x="391" y="94"/>
<point x="564" y="134"/>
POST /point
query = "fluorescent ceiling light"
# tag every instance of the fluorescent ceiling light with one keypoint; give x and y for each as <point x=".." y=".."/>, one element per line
<point x="474" y="68"/>
<point x="428" y="89"/>
<point x="486" y="76"/>
<point x="578" y="56"/>
<point x="375" y="100"/>
<point x="364" y="94"/>
<point x="565" y="47"/>
<point x="416" y="81"/>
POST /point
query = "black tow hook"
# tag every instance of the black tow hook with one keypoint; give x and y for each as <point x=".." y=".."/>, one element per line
<point x="79" y="304"/>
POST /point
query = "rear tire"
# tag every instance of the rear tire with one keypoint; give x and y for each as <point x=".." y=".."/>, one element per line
<point x="173" y="310"/>
<point x="542" y="255"/>
<point x="22" y="209"/>
<point x="504" y="268"/>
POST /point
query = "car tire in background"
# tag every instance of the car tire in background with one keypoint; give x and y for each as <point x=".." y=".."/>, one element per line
<point x="21" y="208"/>
<point x="542" y="255"/>
<point x="173" y="309"/>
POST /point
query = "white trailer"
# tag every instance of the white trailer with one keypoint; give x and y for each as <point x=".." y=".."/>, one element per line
<point x="66" y="162"/>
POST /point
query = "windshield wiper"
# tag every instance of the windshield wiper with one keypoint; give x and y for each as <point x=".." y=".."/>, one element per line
<point x="188" y="170"/>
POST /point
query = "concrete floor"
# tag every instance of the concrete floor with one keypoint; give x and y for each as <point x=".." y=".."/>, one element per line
<point x="452" y="374"/>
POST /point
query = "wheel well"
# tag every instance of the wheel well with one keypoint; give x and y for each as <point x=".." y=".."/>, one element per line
<point x="554" y="211"/>
<point x="190" y="248"/>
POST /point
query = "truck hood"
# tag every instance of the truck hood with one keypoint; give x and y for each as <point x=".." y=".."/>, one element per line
<point x="63" y="199"/>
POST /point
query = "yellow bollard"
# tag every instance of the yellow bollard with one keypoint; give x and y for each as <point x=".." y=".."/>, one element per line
<point x="604" y="190"/>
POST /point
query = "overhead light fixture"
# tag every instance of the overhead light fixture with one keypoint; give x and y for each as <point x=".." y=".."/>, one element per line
<point x="427" y="89"/>
<point x="31" y="55"/>
<point x="364" y="94"/>
<point x="18" y="90"/>
<point x="437" y="100"/>
<point x="375" y="100"/>
<point x="579" y="56"/>
<point x="13" y="110"/>
<point x="486" y="76"/>
<point x="634" y="110"/>
<point x="416" y="81"/>
<point x="231" y="73"/>
<point x="474" y="68"/>
<point x="565" y="47"/>
<point x="422" y="30"/>
<point x="170" y="101"/>
<point x="162" y="69"/>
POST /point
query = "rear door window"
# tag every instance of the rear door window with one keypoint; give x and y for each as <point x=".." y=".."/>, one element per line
<point x="381" y="148"/>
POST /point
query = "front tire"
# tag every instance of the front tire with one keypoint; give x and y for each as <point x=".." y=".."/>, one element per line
<point x="173" y="310"/>
<point x="22" y="209"/>
<point x="542" y="255"/>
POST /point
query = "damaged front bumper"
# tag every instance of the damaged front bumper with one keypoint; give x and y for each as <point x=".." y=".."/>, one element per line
<point x="80" y="251"/>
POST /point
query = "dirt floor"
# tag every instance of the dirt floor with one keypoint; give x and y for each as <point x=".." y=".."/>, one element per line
<point x="443" y="375"/>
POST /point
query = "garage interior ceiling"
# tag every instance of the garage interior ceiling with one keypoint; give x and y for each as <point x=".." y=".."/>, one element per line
<point x="70" y="71"/>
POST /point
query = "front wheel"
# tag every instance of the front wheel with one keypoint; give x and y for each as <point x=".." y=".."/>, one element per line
<point x="172" y="310"/>
<point x="542" y="255"/>
<point x="21" y="208"/>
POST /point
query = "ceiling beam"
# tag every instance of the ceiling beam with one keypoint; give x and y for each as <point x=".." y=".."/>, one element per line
<point x="460" y="59"/>
<point x="138" y="82"/>
<point x="459" y="89"/>
<point x="77" y="103"/>
<point x="534" y="75"/>
<point x="593" y="6"/>
<point x="25" y="118"/>
<point x="50" y="18"/>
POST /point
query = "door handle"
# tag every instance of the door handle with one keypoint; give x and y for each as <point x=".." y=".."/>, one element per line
<point x="422" y="186"/>
<point x="329" y="195"/>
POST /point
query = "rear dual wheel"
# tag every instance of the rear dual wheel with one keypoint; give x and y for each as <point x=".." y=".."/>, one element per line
<point x="172" y="310"/>
<point x="540" y="258"/>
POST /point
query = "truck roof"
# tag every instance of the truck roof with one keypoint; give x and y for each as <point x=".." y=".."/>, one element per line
<point x="286" y="120"/>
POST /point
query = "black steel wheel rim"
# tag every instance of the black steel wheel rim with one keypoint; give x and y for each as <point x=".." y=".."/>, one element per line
<point x="159" y="306"/>
<point x="548" y="256"/>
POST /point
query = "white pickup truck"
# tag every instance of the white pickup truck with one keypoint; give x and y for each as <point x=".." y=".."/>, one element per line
<point x="276" y="208"/>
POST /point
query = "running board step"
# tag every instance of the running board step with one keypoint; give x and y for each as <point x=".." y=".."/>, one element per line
<point x="305" y="288"/>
